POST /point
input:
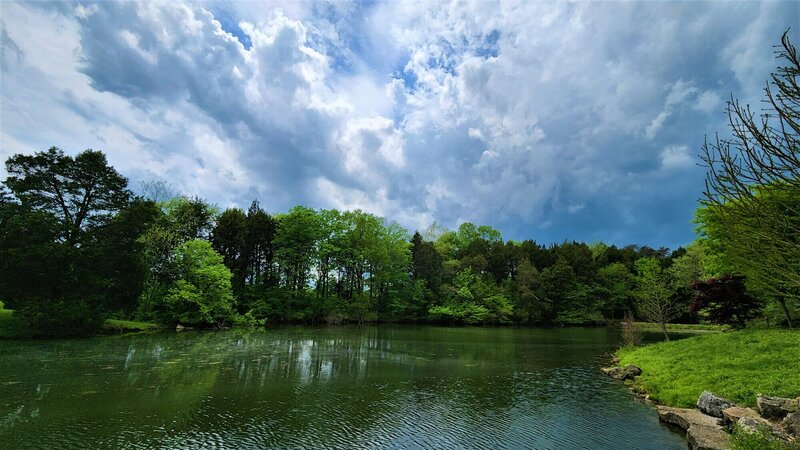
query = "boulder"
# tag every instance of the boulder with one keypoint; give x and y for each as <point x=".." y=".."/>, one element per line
<point x="707" y="438"/>
<point x="734" y="413"/>
<point x="753" y="424"/>
<point x="792" y="423"/>
<point x="622" y="373"/>
<point x="756" y="424"/>
<point x="685" y="418"/>
<point x="712" y="405"/>
<point x="776" y="407"/>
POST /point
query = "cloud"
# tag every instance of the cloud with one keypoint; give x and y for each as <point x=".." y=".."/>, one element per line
<point x="546" y="120"/>
<point x="709" y="102"/>
<point x="676" y="157"/>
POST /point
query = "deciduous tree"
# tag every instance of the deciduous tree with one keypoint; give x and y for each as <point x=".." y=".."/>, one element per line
<point x="654" y="293"/>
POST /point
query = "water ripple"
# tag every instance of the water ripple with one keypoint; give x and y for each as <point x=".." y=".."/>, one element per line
<point x="382" y="387"/>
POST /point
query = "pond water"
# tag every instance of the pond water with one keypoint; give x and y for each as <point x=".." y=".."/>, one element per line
<point x="379" y="386"/>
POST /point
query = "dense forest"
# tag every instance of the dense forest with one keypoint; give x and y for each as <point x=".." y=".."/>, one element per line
<point x="78" y="246"/>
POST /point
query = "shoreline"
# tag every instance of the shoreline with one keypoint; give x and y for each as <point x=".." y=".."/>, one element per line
<point x="737" y="368"/>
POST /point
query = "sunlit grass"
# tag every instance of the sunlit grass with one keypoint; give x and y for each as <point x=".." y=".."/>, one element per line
<point x="128" y="325"/>
<point x="649" y="326"/>
<point x="736" y="365"/>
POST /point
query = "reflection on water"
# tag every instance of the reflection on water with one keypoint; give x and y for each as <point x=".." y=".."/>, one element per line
<point x="385" y="386"/>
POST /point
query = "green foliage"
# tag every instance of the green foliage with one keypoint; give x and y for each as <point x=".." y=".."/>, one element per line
<point x="735" y="235"/>
<point x="751" y="211"/>
<point x="247" y="320"/>
<point x="498" y="308"/>
<point x="126" y="326"/>
<point x="81" y="191"/>
<point x="761" y="440"/>
<point x="8" y="326"/>
<point x="118" y="256"/>
<point x="736" y="365"/>
<point x="190" y="218"/>
<point x="64" y="250"/>
<point x="201" y="295"/>
<point x="654" y="293"/>
<point x="58" y="318"/>
<point x="616" y="285"/>
<point x="296" y="240"/>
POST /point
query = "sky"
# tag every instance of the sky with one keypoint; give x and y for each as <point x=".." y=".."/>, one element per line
<point x="545" y="120"/>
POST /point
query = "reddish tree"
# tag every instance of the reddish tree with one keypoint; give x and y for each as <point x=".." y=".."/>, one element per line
<point x="725" y="300"/>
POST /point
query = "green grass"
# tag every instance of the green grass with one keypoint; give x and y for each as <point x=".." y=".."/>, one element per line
<point x="736" y="365"/>
<point x="683" y="327"/>
<point x="742" y="440"/>
<point x="123" y="326"/>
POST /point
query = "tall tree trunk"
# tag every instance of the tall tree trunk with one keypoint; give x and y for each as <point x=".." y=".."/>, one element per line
<point x="664" y="329"/>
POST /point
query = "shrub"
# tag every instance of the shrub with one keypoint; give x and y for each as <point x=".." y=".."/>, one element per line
<point x="202" y="294"/>
<point x="45" y="318"/>
<point x="631" y="334"/>
<point x="247" y="320"/>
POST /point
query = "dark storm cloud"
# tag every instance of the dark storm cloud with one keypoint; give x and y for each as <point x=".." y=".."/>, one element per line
<point x="545" y="120"/>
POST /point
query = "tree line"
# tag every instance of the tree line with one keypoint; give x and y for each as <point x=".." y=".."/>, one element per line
<point x="77" y="246"/>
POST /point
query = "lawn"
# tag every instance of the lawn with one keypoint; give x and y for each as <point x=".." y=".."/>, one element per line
<point x="736" y="365"/>
<point x="124" y="326"/>
<point x="683" y="327"/>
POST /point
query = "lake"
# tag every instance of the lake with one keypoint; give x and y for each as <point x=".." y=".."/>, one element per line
<point x="374" y="386"/>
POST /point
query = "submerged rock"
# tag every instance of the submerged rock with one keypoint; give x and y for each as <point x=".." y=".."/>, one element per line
<point x="622" y="373"/>
<point x="776" y="407"/>
<point x="712" y="405"/>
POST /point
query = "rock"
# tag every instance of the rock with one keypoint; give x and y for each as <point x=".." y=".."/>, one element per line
<point x="712" y="405"/>
<point x="792" y="423"/>
<point x="752" y="424"/>
<point x="756" y="424"/>
<point x="776" y="407"/>
<point x="702" y="431"/>
<point x="707" y="438"/>
<point x="622" y="373"/>
<point x="685" y="418"/>
<point x="179" y="327"/>
<point x="734" y="413"/>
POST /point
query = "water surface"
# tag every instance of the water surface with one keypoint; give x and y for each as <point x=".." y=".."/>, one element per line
<point x="381" y="386"/>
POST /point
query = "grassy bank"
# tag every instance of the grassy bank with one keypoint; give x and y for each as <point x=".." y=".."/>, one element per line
<point x="682" y="327"/>
<point x="127" y="326"/>
<point x="111" y="326"/>
<point x="736" y="365"/>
